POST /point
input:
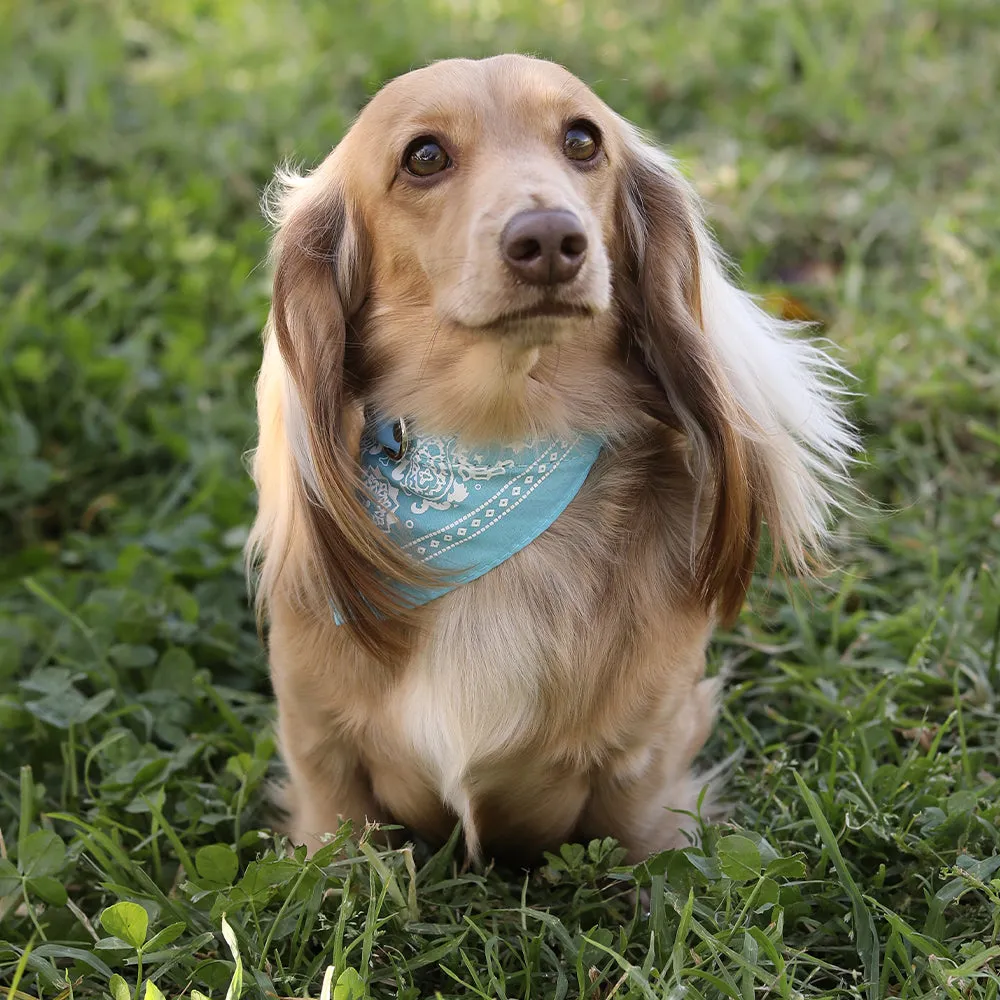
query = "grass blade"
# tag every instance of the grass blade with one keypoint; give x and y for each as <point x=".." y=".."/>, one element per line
<point x="866" y="937"/>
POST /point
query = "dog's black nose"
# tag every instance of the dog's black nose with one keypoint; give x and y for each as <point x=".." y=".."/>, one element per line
<point x="544" y="246"/>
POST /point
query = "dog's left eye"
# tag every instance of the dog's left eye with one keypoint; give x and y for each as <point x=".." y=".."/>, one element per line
<point x="424" y="156"/>
<point x="582" y="141"/>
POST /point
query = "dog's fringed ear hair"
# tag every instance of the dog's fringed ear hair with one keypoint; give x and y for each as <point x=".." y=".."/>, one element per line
<point x="313" y="538"/>
<point x="758" y="404"/>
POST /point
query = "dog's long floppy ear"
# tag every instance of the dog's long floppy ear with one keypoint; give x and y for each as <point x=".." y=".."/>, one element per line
<point x="759" y="405"/>
<point x="313" y="539"/>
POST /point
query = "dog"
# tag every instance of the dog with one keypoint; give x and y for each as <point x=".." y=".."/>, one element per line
<point x="518" y="436"/>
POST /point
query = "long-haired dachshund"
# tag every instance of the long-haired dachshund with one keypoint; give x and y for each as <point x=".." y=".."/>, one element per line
<point x="518" y="437"/>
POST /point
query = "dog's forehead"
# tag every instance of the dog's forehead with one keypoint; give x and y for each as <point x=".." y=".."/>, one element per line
<point x="466" y="93"/>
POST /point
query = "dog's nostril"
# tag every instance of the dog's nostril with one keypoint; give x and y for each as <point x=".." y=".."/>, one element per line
<point x="524" y="249"/>
<point x="574" y="244"/>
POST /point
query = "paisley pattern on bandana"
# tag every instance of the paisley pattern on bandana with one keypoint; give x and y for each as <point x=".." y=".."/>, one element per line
<point x="466" y="510"/>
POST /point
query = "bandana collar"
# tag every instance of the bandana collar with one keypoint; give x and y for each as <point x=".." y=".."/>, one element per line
<point x="467" y="509"/>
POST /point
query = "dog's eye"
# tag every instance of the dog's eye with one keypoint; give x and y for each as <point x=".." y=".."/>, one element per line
<point x="582" y="141"/>
<point x="424" y="156"/>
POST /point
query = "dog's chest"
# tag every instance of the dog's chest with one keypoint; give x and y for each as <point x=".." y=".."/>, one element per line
<point x="501" y="675"/>
<point x="455" y="709"/>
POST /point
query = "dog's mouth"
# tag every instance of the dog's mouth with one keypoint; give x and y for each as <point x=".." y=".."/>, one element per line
<point x="517" y="319"/>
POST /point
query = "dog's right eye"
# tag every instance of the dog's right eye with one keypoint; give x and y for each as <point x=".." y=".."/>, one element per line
<point x="424" y="156"/>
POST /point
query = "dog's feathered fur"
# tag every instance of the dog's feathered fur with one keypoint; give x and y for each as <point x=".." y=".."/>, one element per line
<point x="562" y="693"/>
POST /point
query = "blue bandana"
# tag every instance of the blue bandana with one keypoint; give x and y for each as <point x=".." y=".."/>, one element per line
<point x="466" y="510"/>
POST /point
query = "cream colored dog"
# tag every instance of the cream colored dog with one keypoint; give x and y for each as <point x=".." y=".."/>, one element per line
<point x="492" y="256"/>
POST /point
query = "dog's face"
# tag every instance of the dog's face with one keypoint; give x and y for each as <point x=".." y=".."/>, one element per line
<point x="490" y="192"/>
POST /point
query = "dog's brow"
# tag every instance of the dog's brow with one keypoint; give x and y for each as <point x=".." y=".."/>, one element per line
<point x="408" y="126"/>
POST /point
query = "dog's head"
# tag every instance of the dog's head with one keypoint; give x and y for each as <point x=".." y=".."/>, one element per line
<point x="492" y="252"/>
<point x="472" y="217"/>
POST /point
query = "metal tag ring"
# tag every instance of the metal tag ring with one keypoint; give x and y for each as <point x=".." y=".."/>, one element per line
<point x="402" y="438"/>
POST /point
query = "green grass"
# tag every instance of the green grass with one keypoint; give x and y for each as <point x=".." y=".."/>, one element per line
<point x="848" y="153"/>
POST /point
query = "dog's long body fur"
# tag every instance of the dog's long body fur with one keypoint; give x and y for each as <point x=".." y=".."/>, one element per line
<point x="563" y="693"/>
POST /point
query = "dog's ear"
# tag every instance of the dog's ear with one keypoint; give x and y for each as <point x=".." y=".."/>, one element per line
<point x="757" y="404"/>
<point x="320" y="259"/>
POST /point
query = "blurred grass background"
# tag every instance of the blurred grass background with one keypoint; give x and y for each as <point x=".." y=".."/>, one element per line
<point x="847" y="152"/>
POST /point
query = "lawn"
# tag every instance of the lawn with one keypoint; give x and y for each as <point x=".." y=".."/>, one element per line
<point x="848" y="153"/>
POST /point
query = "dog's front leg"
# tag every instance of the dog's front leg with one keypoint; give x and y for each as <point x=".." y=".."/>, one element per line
<point x="327" y="784"/>
<point x="650" y="801"/>
<point x="328" y="780"/>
